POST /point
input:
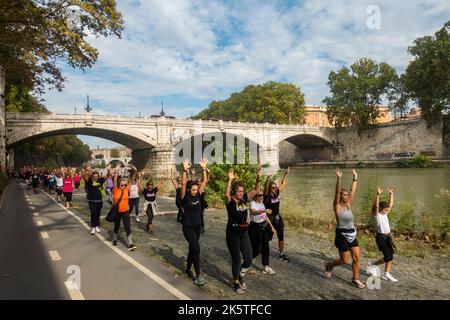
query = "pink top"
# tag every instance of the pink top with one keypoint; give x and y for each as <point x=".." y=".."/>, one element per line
<point x="67" y="186"/>
<point x="76" y="178"/>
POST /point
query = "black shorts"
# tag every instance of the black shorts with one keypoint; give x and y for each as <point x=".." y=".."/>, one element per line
<point x="68" y="196"/>
<point x="386" y="246"/>
<point x="342" y="243"/>
<point x="59" y="191"/>
<point x="277" y="222"/>
<point x="77" y="185"/>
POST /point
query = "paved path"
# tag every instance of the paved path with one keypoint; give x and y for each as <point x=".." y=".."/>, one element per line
<point x="43" y="246"/>
<point x="419" y="278"/>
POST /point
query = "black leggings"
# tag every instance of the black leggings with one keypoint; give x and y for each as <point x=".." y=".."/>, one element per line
<point x="259" y="238"/>
<point x="95" y="208"/>
<point x="134" y="203"/>
<point x="192" y="235"/>
<point x="125" y="216"/>
<point x="239" y="242"/>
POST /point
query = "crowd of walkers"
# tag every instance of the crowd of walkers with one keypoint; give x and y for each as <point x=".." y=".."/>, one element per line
<point x="253" y="215"/>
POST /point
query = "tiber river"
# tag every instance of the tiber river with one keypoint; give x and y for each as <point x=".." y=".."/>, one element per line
<point x="310" y="192"/>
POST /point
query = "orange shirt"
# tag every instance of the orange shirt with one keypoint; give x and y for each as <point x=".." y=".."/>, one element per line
<point x="123" y="205"/>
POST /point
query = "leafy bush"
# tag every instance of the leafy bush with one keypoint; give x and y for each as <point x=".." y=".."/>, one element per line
<point x="422" y="161"/>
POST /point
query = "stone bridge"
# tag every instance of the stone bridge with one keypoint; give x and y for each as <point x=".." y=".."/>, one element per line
<point x="155" y="141"/>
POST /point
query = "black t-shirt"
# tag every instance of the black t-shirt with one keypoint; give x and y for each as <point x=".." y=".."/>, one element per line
<point x="203" y="200"/>
<point x="150" y="194"/>
<point x="35" y="179"/>
<point x="94" y="189"/>
<point x="237" y="212"/>
<point x="273" y="203"/>
<point x="192" y="210"/>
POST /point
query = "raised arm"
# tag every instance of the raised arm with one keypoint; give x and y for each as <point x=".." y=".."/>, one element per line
<point x="231" y="177"/>
<point x="132" y="176"/>
<point x="337" y="194"/>
<point x="186" y="166"/>
<point x="141" y="188"/>
<point x="254" y="192"/>
<point x="377" y="202"/>
<point x="116" y="173"/>
<point x="193" y="175"/>
<point x="266" y="188"/>
<point x="391" y="198"/>
<point x="204" y="176"/>
<point x="283" y="181"/>
<point x="86" y="173"/>
<point x="353" y="187"/>
<point x="174" y="182"/>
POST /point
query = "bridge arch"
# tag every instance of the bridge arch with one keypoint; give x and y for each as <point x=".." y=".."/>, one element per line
<point x="305" y="147"/>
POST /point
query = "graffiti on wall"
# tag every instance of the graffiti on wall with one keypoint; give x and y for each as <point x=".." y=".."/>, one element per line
<point x="393" y="155"/>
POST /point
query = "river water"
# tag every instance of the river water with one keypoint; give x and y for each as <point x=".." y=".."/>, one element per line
<point x="310" y="192"/>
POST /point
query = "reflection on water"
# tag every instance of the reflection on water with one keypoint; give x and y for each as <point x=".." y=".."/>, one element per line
<point x="311" y="191"/>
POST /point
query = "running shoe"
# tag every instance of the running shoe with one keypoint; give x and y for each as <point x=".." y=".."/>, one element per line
<point x="244" y="271"/>
<point x="137" y="219"/>
<point x="200" y="281"/>
<point x="93" y="231"/>
<point x="388" y="277"/>
<point x="115" y="243"/>
<point x="131" y="247"/>
<point x="238" y="289"/>
<point x="97" y="229"/>
<point x="284" y="258"/>
<point x="242" y="283"/>
<point x="268" y="270"/>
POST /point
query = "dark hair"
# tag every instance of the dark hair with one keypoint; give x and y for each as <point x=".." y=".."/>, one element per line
<point x="235" y="186"/>
<point x="383" y="205"/>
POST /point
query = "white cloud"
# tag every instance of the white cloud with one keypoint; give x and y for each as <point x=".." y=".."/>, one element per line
<point x="200" y="50"/>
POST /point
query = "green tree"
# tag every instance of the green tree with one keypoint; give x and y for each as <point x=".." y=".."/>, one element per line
<point x="114" y="153"/>
<point x="99" y="156"/>
<point x="36" y="35"/>
<point x="357" y="92"/>
<point x="272" y="101"/>
<point x="427" y="77"/>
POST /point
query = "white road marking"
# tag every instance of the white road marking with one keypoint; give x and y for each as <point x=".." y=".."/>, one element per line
<point x="45" y="235"/>
<point x="74" y="292"/>
<point x="177" y="293"/>
<point x="40" y="223"/>
<point x="55" y="255"/>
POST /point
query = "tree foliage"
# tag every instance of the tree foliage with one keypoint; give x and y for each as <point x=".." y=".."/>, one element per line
<point x="272" y="101"/>
<point x="36" y="35"/>
<point x="114" y="153"/>
<point x="427" y="77"/>
<point x="356" y="93"/>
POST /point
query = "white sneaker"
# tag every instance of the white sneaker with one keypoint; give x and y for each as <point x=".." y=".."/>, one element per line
<point x="268" y="270"/>
<point x="389" y="277"/>
<point x="93" y="231"/>
<point x="97" y="229"/>
<point x="244" y="271"/>
<point x="137" y="219"/>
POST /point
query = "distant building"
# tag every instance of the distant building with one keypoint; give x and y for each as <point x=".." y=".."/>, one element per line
<point x="124" y="152"/>
<point x="317" y="116"/>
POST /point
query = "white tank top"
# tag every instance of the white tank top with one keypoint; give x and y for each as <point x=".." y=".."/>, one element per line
<point x="134" y="192"/>
<point x="382" y="223"/>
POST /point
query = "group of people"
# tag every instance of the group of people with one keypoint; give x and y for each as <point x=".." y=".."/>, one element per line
<point x="253" y="217"/>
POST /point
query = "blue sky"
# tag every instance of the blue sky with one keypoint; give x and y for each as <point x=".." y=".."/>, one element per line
<point x="190" y="52"/>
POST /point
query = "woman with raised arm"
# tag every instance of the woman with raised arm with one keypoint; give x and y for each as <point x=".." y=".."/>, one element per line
<point x="238" y="241"/>
<point x="94" y="185"/>
<point x="272" y="201"/>
<point x="345" y="239"/>
<point x="67" y="188"/>
<point x="383" y="237"/>
<point x="121" y="193"/>
<point x="150" y="204"/>
<point x="191" y="219"/>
